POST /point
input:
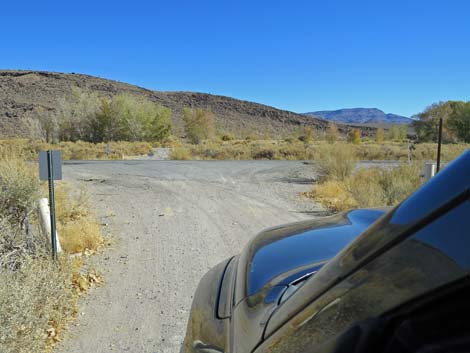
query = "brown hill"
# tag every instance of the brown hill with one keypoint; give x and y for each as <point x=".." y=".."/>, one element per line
<point x="26" y="94"/>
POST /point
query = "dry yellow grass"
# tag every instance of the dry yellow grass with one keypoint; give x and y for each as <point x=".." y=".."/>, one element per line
<point x="333" y="195"/>
<point x="81" y="235"/>
<point x="77" y="226"/>
<point x="368" y="188"/>
<point x="227" y="147"/>
<point x="337" y="162"/>
<point x="28" y="149"/>
<point x="294" y="149"/>
<point x="180" y="153"/>
<point x="36" y="302"/>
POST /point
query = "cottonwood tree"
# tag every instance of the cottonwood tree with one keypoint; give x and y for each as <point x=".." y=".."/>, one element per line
<point x="74" y="115"/>
<point x="459" y="121"/>
<point x="85" y="116"/>
<point x="427" y="122"/>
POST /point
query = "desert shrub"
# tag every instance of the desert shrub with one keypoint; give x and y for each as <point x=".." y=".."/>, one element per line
<point x="333" y="195"/>
<point x="308" y="135"/>
<point x="355" y="136"/>
<point x="332" y="133"/>
<point x="380" y="135"/>
<point x="227" y="137"/>
<point x="36" y="300"/>
<point x="28" y="150"/>
<point x="37" y="296"/>
<point x="198" y="124"/>
<point x="19" y="190"/>
<point x="365" y="189"/>
<point x="374" y="187"/>
<point x="398" y="183"/>
<point x="171" y="141"/>
<point x="338" y="163"/>
<point x="263" y="154"/>
<point x="180" y="153"/>
<point x="250" y="137"/>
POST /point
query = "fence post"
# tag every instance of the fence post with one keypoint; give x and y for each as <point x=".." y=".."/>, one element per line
<point x="429" y="170"/>
<point x="45" y="221"/>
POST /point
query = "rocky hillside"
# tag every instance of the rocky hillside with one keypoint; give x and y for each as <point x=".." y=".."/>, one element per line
<point x="368" y="116"/>
<point x="25" y="95"/>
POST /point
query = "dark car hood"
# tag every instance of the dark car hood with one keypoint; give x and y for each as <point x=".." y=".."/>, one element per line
<point x="275" y="255"/>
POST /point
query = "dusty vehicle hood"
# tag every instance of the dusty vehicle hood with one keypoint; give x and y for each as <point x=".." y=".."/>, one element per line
<point x="277" y="254"/>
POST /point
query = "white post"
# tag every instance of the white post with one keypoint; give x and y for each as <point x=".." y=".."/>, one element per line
<point x="429" y="170"/>
<point x="45" y="220"/>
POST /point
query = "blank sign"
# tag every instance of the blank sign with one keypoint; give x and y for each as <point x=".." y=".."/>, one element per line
<point x="56" y="165"/>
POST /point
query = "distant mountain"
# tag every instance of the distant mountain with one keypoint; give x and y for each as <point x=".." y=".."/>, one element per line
<point x="362" y="116"/>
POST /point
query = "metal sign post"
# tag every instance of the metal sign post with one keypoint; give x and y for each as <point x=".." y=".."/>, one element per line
<point x="439" y="142"/>
<point x="50" y="169"/>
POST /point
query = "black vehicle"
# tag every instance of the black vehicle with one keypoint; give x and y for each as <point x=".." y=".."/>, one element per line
<point x="374" y="280"/>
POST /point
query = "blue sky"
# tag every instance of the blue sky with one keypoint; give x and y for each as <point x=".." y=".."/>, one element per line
<point x="399" y="56"/>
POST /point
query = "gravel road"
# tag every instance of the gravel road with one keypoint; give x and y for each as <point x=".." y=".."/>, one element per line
<point x="171" y="221"/>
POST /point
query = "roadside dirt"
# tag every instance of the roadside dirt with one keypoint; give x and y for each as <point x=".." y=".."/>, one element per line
<point x="171" y="221"/>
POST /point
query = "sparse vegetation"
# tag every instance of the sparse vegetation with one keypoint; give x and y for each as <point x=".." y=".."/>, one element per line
<point x="293" y="149"/>
<point x="308" y="135"/>
<point x="380" y="135"/>
<point x="337" y="163"/>
<point x="235" y="149"/>
<point x="355" y="136"/>
<point x="180" y="153"/>
<point x="38" y="297"/>
<point x="342" y="187"/>
<point x="37" y="300"/>
<point x="28" y="149"/>
<point x="332" y="134"/>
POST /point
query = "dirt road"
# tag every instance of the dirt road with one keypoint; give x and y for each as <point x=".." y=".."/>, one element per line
<point x="171" y="221"/>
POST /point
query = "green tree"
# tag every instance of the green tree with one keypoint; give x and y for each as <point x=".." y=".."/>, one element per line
<point x="459" y="121"/>
<point x="102" y="125"/>
<point x="426" y="124"/>
<point x="48" y="125"/>
<point x="128" y="118"/>
<point x="198" y="124"/>
<point x="397" y="132"/>
<point x="403" y="132"/>
<point x="74" y="115"/>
